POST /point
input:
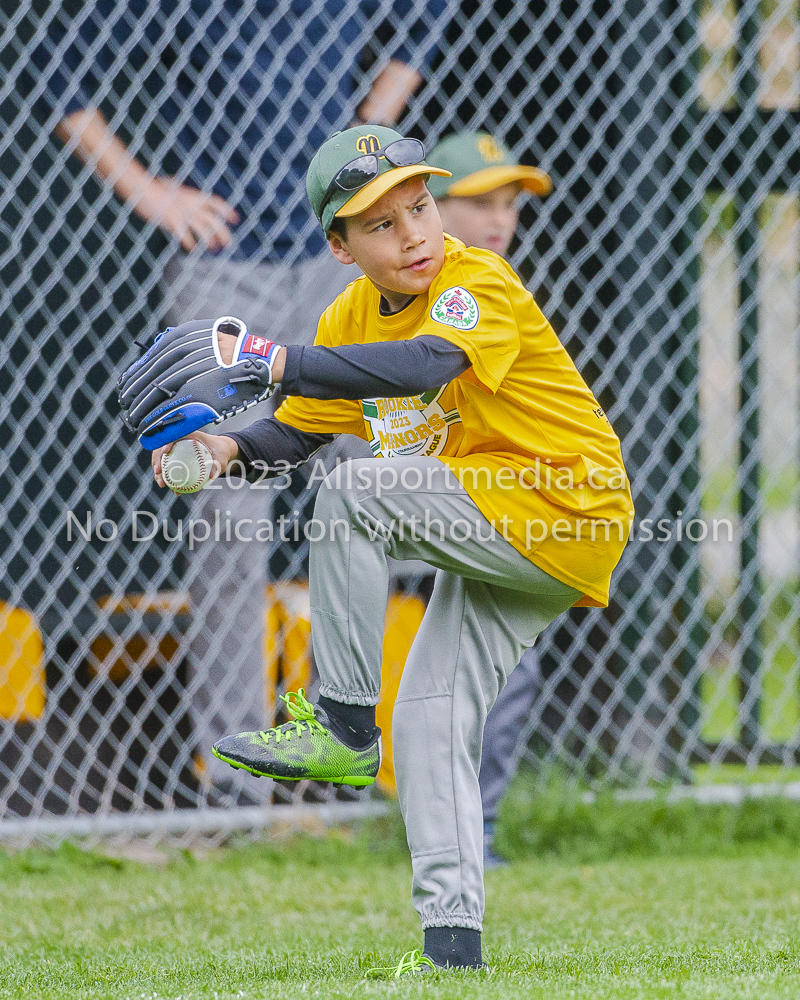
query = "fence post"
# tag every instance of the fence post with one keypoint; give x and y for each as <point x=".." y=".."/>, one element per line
<point x="683" y="300"/>
<point x="750" y="610"/>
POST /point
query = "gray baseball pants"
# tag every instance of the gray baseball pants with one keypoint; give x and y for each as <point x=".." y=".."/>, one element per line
<point x="489" y="603"/>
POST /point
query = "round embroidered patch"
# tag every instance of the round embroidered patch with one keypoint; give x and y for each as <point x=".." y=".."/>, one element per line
<point x="456" y="307"/>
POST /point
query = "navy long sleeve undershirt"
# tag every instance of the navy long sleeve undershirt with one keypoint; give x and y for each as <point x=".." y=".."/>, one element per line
<point x="369" y="371"/>
<point x="356" y="371"/>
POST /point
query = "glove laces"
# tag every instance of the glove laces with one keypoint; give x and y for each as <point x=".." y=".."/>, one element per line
<point x="302" y="712"/>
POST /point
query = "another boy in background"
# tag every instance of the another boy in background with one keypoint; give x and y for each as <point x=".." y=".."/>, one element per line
<point x="479" y="205"/>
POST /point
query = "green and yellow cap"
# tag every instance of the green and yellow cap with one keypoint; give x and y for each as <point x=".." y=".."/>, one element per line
<point x="479" y="163"/>
<point x="337" y="152"/>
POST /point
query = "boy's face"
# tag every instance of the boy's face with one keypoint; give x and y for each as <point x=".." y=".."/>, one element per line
<point x="486" y="220"/>
<point x="398" y="242"/>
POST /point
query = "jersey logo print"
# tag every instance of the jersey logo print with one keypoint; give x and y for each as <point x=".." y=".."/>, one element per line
<point x="408" y="425"/>
<point x="456" y="307"/>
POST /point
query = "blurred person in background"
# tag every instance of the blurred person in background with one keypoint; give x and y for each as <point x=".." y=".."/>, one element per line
<point x="240" y="94"/>
<point x="479" y="205"/>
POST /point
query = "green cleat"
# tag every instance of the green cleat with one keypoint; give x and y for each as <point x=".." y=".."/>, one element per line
<point x="303" y="748"/>
<point x="413" y="963"/>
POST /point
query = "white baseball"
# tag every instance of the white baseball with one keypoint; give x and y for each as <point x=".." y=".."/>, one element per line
<point x="187" y="467"/>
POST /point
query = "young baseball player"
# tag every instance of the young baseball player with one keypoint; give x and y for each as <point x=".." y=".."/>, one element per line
<point x="479" y="205"/>
<point x="493" y="463"/>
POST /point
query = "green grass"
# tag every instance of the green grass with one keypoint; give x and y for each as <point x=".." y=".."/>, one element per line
<point x="740" y="774"/>
<point x="308" y="918"/>
<point x="554" y="821"/>
<point x="779" y="705"/>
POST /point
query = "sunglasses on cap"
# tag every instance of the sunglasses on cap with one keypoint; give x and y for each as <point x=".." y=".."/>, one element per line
<point x="359" y="172"/>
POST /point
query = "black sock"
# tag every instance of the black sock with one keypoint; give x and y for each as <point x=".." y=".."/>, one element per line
<point x="458" y="947"/>
<point x="353" y="724"/>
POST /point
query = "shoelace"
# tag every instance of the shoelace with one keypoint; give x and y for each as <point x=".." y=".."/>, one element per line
<point x="411" y="962"/>
<point x="302" y="712"/>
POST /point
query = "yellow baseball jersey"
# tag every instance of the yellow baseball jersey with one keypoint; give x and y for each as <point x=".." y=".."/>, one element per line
<point x="520" y="428"/>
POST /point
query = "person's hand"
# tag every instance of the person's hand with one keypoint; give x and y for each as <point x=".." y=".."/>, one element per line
<point x="223" y="450"/>
<point x="191" y="216"/>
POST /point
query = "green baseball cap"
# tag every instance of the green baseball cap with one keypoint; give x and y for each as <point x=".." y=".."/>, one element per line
<point x="337" y="152"/>
<point x="479" y="163"/>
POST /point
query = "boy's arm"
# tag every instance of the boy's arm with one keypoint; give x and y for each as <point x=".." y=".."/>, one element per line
<point x="352" y="372"/>
<point x="369" y="371"/>
<point x="272" y="447"/>
<point x="362" y="371"/>
<point x="266" y="448"/>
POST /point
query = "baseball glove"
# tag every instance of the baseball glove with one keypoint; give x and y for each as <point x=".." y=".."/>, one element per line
<point x="181" y="383"/>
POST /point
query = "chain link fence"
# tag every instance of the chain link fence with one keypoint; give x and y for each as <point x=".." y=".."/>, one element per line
<point x="666" y="258"/>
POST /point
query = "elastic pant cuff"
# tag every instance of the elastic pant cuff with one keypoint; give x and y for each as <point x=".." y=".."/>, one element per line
<point x="439" y="918"/>
<point x="348" y="697"/>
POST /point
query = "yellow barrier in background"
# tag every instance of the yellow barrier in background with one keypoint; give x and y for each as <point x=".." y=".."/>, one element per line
<point x="287" y="641"/>
<point x="403" y="619"/>
<point x="22" y="682"/>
